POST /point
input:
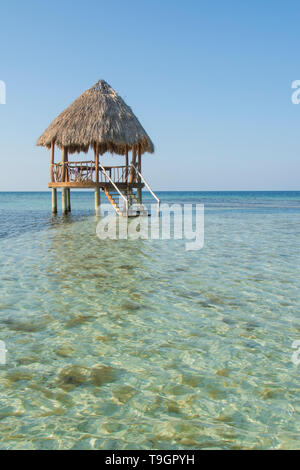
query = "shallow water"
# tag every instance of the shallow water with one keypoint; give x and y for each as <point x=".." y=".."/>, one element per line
<point x="141" y="344"/>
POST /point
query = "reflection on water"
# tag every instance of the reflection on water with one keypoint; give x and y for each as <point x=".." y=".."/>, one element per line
<point x="140" y="344"/>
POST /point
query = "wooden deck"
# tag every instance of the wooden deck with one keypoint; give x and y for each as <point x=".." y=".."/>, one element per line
<point x="87" y="174"/>
<point x="122" y="185"/>
<point x="92" y="184"/>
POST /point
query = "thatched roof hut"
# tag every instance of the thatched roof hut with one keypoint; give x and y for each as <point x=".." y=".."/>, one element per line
<point x="100" y="119"/>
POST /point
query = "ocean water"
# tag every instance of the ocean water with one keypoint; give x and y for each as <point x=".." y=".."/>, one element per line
<point x="140" y="344"/>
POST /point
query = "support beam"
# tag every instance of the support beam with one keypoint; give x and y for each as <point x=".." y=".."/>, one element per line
<point x="68" y="199"/>
<point x="67" y="168"/>
<point x="139" y="166"/>
<point x="64" y="200"/>
<point x="52" y="162"/>
<point x="63" y="156"/>
<point x="133" y="162"/>
<point x="96" y="153"/>
<point x="97" y="201"/>
<point x="65" y="173"/>
<point x="126" y="163"/>
<point x="54" y="200"/>
<point x="139" y="195"/>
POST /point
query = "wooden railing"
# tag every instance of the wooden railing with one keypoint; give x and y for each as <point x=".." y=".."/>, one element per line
<point x="80" y="172"/>
<point x="56" y="175"/>
<point x="85" y="172"/>
<point x="118" y="174"/>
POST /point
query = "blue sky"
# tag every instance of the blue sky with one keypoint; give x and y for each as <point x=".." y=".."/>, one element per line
<point x="209" y="80"/>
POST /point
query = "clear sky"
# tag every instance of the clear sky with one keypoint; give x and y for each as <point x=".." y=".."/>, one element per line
<point x="209" y="80"/>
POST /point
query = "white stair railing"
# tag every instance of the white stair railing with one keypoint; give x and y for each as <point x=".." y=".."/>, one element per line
<point x="148" y="186"/>
<point x="115" y="186"/>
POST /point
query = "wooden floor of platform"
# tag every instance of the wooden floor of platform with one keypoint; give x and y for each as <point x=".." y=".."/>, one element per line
<point x="81" y="185"/>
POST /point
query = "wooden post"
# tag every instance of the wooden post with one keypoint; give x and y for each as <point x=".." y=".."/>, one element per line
<point x="52" y="162"/>
<point x="139" y="180"/>
<point x="96" y="163"/>
<point x="97" y="200"/>
<point x="64" y="200"/>
<point x="63" y="173"/>
<point x="133" y="161"/>
<point x="126" y="163"/>
<point x="67" y="168"/>
<point x="68" y="199"/>
<point x="54" y="200"/>
<point x="139" y="161"/>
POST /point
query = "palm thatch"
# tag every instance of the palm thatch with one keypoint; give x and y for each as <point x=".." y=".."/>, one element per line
<point x="98" y="117"/>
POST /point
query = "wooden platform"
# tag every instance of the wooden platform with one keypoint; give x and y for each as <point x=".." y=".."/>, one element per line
<point x="122" y="185"/>
<point x="101" y="185"/>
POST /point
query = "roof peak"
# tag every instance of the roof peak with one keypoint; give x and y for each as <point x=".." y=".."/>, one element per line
<point x="103" y="87"/>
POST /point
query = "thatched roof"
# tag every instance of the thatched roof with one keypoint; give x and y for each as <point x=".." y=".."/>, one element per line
<point x="99" y="116"/>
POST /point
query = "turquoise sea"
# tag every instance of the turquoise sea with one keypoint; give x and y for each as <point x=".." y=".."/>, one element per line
<point x="140" y="344"/>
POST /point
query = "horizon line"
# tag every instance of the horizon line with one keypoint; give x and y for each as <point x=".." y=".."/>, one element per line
<point x="173" y="190"/>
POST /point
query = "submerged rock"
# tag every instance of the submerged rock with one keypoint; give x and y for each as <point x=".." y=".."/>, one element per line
<point x="75" y="375"/>
<point x="222" y="372"/>
<point x="72" y="376"/>
<point x="130" y="306"/>
<point x="102" y="374"/>
<point x="28" y="359"/>
<point x="65" y="351"/>
<point x="26" y="327"/>
<point x="78" y="320"/>
<point x="18" y="374"/>
<point x="123" y="393"/>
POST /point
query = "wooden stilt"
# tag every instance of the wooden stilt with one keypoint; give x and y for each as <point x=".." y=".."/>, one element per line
<point x="97" y="201"/>
<point x="68" y="199"/>
<point x="54" y="200"/>
<point x="64" y="200"/>
<point x="139" y="195"/>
